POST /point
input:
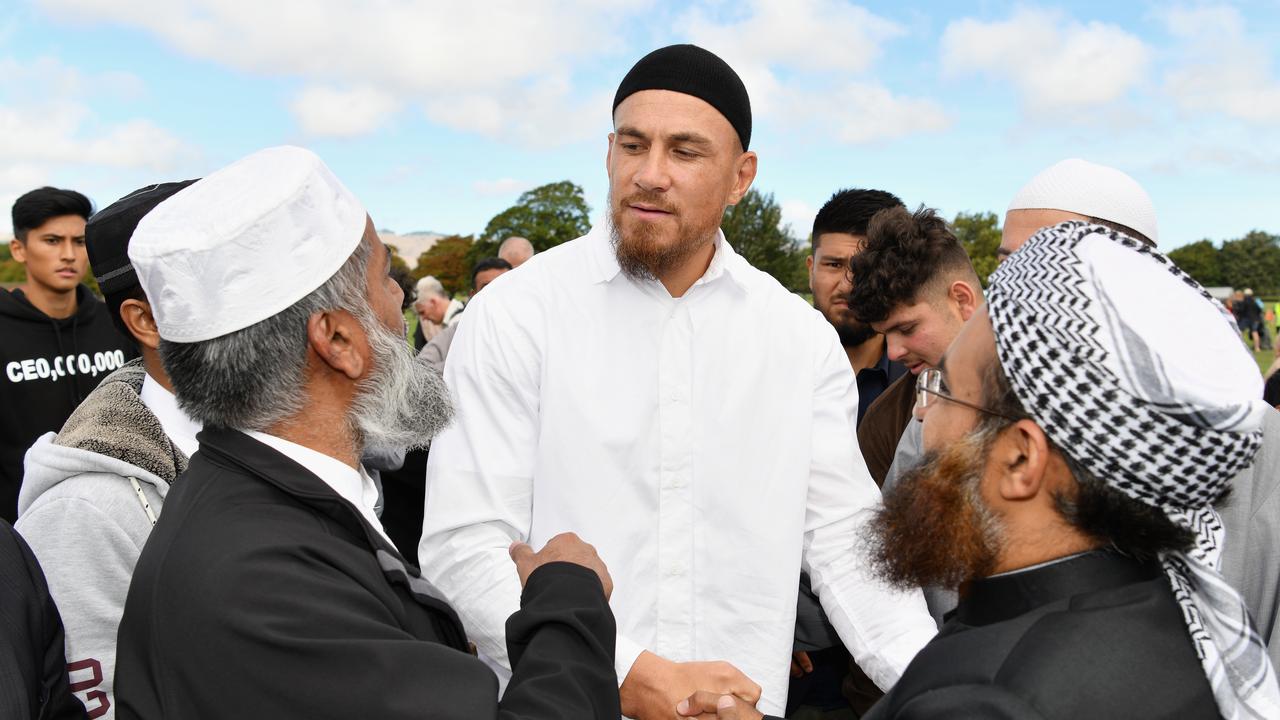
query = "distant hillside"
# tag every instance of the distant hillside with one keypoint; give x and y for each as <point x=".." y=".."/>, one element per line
<point x="410" y="245"/>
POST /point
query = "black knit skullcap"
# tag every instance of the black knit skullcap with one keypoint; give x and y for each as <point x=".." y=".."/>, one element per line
<point x="106" y="235"/>
<point x="693" y="71"/>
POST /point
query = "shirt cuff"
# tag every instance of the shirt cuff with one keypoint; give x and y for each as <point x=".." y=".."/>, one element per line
<point x="624" y="656"/>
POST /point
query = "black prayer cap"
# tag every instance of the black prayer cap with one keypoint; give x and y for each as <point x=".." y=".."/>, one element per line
<point x="106" y="235"/>
<point x="694" y="71"/>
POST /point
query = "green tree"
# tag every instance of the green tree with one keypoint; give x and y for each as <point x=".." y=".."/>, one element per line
<point x="11" y="271"/>
<point x="1252" y="261"/>
<point x="979" y="233"/>
<point x="447" y="262"/>
<point x="1201" y="260"/>
<point x="547" y="215"/>
<point x="754" y="229"/>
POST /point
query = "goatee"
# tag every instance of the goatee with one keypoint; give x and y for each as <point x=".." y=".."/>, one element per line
<point x="641" y="253"/>
<point x="934" y="528"/>
<point x="401" y="404"/>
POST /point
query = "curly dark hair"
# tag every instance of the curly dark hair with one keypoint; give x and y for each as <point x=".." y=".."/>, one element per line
<point x="1095" y="508"/>
<point x="905" y="251"/>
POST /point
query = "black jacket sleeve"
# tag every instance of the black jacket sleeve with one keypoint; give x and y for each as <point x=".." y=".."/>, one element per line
<point x="33" y="663"/>
<point x="975" y="701"/>
<point x="561" y="644"/>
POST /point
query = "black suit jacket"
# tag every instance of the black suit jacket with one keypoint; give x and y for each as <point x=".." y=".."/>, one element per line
<point x="1096" y="636"/>
<point x="263" y="594"/>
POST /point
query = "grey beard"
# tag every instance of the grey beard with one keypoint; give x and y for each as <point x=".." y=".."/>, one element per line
<point x="401" y="404"/>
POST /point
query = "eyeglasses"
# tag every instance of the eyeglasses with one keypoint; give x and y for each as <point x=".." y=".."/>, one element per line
<point x="930" y="384"/>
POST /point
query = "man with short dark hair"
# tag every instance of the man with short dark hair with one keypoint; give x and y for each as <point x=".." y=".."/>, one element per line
<point x="914" y="283"/>
<point x="839" y="233"/>
<point x="59" y="340"/>
<point x="626" y="369"/>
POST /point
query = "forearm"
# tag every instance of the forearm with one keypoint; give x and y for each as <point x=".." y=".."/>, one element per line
<point x="561" y="645"/>
<point x="882" y="627"/>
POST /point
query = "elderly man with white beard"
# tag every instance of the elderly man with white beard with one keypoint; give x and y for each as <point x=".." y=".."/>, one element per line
<point x="268" y="587"/>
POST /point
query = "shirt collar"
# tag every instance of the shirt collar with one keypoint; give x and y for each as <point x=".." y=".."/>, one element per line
<point x="1008" y="595"/>
<point x="353" y="485"/>
<point x="724" y="262"/>
<point x="179" y="426"/>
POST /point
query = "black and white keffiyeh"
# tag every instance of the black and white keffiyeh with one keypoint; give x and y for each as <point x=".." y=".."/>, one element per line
<point x="1133" y="370"/>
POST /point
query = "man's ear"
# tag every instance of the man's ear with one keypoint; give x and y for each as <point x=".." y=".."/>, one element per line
<point x="18" y="250"/>
<point x="608" y="159"/>
<point x="746" y="174"/>
<point x="337" y="339"/>
<point x="1020" y="455"/>
<point x="965" y="297"/>
<point x="136" y="315"/>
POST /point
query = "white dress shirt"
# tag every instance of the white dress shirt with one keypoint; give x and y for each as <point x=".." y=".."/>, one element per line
<point x="179" y="426"/>
<point x="354" y="486"/>
<point x="704" y="444"/>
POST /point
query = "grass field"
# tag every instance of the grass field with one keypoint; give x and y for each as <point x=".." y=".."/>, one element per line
<point x="1264" y="358"/>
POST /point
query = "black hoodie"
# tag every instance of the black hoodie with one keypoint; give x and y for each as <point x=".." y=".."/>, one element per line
<point x="47" y="367"/>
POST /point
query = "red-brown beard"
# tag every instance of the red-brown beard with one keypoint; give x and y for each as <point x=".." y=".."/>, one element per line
<point x="934" y="528"/>
<point x="638" y="246"/>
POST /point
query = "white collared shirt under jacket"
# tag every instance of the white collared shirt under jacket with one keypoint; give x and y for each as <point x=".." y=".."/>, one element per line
<point x="704" y="445"/>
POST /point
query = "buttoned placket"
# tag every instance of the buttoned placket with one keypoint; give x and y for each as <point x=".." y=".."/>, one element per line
<point x="675" y="489"/>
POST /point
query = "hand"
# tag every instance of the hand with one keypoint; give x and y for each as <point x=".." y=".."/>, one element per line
<point x="800" y="664"/>
<point x="725" y="707"/>
<point x="656" y="685"/>
<point x="565" y="547"/>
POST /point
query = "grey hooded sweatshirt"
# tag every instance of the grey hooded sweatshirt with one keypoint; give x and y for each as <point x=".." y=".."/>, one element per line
<point x="82" y="515"/>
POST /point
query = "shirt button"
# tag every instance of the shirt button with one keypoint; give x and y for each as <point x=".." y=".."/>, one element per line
<point x="676" y="570"/>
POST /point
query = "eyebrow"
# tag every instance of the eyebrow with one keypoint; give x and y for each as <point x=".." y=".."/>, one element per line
<point x="685" y="136"/>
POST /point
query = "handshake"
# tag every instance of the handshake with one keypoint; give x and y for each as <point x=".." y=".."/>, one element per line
<point x="656" y="688"/>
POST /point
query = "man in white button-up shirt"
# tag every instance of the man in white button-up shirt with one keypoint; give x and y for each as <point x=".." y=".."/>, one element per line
<point x="647" y="388"/>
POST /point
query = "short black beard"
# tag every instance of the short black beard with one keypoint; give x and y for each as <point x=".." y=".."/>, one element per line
<point x="854" y="334"/>
<point x="934" y="528"/>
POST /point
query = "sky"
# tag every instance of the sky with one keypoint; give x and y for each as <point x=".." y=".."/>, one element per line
<point x="439" y="114"/>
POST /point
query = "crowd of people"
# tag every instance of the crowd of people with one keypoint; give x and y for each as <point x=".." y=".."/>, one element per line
<point x="633" y="475"/>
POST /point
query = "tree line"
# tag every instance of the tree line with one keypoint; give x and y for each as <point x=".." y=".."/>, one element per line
<point x="558" y="212"/>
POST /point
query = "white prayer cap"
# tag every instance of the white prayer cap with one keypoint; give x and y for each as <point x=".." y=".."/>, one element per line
<point x="1092" y="190"/>
<point x="244" y="243"/>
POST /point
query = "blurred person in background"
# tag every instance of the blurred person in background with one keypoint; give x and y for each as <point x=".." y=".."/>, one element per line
<point x="516" y="250"/>
<point x="435" y="310"/>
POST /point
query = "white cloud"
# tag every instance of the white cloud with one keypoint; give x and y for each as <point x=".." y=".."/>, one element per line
<point x="41" y="138"/>
<point x="1055" y="62"/>
<point x="330" y="112"/>
<point x="461" y="62"/>
<point x="502" y="186"/>
<point x="791" y="54"/>
<point x="799" y="215"/>
<point x="1222" y="68"/>
<point x="867" y="112"/>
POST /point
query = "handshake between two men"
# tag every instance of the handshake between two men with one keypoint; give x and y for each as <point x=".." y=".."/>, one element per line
<point x="656" y="688"/>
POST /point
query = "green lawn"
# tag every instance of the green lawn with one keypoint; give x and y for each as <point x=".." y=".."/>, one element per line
<point x="1264" y="358"/>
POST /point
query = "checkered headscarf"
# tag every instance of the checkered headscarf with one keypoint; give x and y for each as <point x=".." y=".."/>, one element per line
<point x="1137" y="374"/>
